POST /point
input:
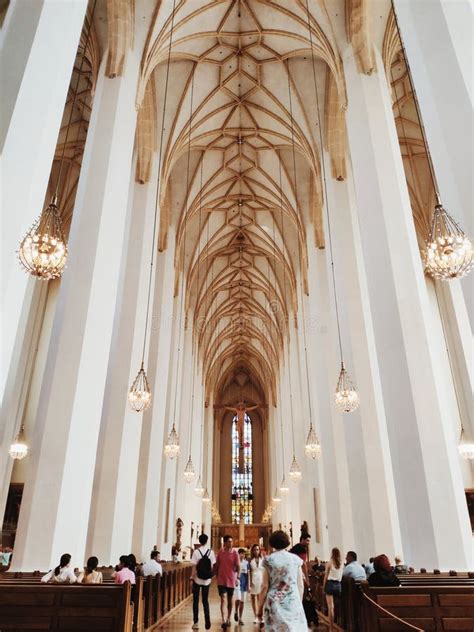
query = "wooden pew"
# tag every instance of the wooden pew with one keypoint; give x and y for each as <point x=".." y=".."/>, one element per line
<point x="434" y="607"/>
<point x="65" y="607"/>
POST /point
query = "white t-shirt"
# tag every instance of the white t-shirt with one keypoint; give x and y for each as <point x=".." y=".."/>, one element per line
<point x="152" y="567"/>
<point x="66" y="576"/>
<point x="201" y="551"/>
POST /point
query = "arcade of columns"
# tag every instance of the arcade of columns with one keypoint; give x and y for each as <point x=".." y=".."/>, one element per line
<point x="241" y="282"/>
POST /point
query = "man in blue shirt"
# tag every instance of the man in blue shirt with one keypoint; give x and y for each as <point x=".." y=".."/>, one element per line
<point x="353" y="568"/>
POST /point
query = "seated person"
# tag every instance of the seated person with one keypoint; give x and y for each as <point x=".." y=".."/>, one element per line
<point x="90" y="574"/>
<point x="123" y="571"/>
<point x="369" y="568"/>
<point x="400" y="568"/>
<point x="152" y="567"/>
<point x="62" y="574"/>
<point x="383" y="574"/>
<point x="353" y="568"/>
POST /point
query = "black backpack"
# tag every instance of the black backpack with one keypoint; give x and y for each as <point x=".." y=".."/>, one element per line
<point x="204" y="566"/>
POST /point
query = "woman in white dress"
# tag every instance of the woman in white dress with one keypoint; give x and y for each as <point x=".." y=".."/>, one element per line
<point x="280" y="602"/>
<point x="256" y="576"/>
<point x="62" y="574"/>
<point x="332" y="580"/>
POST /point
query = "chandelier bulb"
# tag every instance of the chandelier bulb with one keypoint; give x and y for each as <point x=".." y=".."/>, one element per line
<point x="284" y="489"/>
<point x="206" y="498"/>
<point x="345" y="397"/>
<point x="276" y="497"/>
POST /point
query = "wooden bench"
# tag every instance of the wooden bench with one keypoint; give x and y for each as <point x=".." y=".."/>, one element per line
<point x="441" y="608"/>
<point x="65" y="608"/>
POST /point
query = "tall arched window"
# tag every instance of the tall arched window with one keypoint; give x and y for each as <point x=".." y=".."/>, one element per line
<point x="242" y="489"/>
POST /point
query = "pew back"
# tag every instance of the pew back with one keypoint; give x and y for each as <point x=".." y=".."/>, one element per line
<point x="65" y="608"/>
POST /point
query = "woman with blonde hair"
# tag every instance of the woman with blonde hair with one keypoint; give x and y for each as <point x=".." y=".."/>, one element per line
<point x="332" y="580"/>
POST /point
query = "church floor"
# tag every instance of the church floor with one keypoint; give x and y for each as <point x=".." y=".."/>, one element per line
<point x="183" y="618"/>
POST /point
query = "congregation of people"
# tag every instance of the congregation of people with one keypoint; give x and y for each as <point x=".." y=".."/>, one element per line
<point x="275" y="583"/>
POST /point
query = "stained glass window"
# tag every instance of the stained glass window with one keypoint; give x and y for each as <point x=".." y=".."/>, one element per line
<point x="242" y="490"/>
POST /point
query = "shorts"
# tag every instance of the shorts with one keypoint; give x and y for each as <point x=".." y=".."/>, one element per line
<point x="240" y="595"/>
<point x="225" y="590"/>
<point x="332" y="587"/>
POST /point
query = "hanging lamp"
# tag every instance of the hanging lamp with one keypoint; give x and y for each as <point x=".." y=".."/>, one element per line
<point x="466" y="447"/>
<point x="19" y="448"/>
<point x="172" y="448"/>
<point x="448" y="250"/>
<point x="295" y="471"/>
<point x="199" y="489"/>
<point x="189" y="471"/>
<point x="206" y="498"/>
<point x="276" y="497"/>
<point x="312" y="447"/>
<point x="284" y="489"/>
<point x="139" y="395"/>
<point x="346" y="397"/>
<point x="42" y="252"/>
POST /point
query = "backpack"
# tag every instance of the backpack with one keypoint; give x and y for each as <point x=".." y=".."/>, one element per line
<point x="204" y="566"/>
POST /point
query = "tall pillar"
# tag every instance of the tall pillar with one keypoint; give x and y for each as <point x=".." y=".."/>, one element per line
<point x="338" y="519"/>
<point x="38" y="48"/>
<point x="119" y="439"/>
<point x="430" y="495"/>
<point x="375" y="514"/>
<point x="147" y="517"/>
<point x="57" y="497"/>
<point x="438" y="71"/>
<point x="35" y="92"/>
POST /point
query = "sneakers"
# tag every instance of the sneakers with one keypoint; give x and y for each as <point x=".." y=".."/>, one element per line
<point x="236" y="617"/>
<point x="208" y="625"/>
<point x="195" y="626"/>
<point x="241" y="622"/>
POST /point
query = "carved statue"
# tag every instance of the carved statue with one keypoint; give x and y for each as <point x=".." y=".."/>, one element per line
<point x="179" y="533"/>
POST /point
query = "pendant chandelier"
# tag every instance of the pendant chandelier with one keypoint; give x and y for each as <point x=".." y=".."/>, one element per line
<point x="189" y="471"/>
<point x="295" y="471"/>
<point x="19" y="448"/>
<point x="346" y="398"/>
<point x="466" y="447"/>
<point x="172" y="448"/>
<point x="206" y="498"/>
<point x="284" y="489"/>
<point x="42" y="252"/>
<point x="312" y="446"/>
<point x="276" y="497"/>
<point x="199" y="489"/>
<point x="139" y="395"/>
<point x="448" y="250"/>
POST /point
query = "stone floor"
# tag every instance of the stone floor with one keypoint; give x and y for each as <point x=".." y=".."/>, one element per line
<point x="183" y="618"/>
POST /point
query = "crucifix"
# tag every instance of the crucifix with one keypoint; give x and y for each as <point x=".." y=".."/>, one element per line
<point x="240" y="409"/>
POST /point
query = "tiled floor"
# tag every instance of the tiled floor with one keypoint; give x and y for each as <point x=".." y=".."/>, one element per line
<point x="183" y="618"/>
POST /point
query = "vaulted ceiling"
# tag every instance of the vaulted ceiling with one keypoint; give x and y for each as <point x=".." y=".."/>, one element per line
<point x="241" y="204"/>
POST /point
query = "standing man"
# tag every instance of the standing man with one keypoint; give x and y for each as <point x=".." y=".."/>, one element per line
<point x="227" y="571"/>
<point x="203" y="561"/>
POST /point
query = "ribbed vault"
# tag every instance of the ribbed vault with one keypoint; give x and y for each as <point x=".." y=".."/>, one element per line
<point x="241" y="91"/>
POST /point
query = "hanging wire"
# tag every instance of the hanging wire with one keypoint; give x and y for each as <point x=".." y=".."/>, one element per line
<point x="323" y="170"/>
<point x="184" y="247"/>
<point x="158" y="181"/>
<point x="284" y="294"/>
<point x="295" y="180"/>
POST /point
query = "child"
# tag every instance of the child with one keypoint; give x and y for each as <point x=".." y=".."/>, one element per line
<point x="241" y="587"/>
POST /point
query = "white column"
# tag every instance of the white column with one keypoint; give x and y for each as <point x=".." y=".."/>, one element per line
<point x="155" y="421"/>
<point x="443" y="78"/>
<point x="338" y="520"/>
<point x="119" y="440"/>
<point x="57" y="498"/>
<point x="38" y="50"/>
<point x="436" y="530"/>
<point x="375" y="513"/>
